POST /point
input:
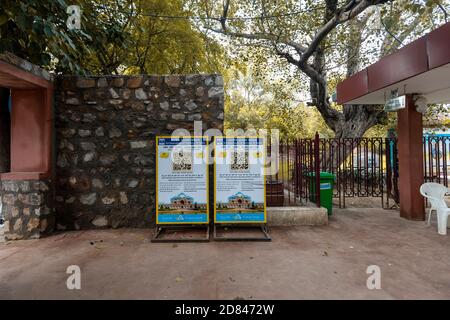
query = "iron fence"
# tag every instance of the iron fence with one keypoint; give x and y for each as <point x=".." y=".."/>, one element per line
<point x="296" y="180"/>
<point x="436" y="159"/>
<point x="363" y="168"/>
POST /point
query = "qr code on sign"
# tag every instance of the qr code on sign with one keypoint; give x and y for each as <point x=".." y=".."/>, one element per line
<point x="239" y="160"/>
<point x="182" y="161"/>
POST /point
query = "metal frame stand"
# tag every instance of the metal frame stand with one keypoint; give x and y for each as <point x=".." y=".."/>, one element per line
<point x="264" y="229"/>
<point x="160" y="230"/>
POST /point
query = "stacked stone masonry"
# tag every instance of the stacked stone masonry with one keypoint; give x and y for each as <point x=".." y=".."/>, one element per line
<point x="27" y="208"/>
<point x="105" y="142"/>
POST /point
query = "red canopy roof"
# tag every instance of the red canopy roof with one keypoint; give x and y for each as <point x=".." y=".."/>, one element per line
<point x="421" y="67"/>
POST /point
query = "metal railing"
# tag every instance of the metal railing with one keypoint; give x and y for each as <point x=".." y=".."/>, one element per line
<point x="436" y="159"/>
<point x="297" y="178"/>
<point x="363" y="168"/>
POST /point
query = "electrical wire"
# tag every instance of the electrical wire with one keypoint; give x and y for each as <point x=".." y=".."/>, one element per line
<point x="275" y="16"/>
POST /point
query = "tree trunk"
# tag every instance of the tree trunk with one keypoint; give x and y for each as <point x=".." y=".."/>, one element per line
<point x="354" y="120"/>
<point x="358" y="119"/>
<point x="5" y="131"/>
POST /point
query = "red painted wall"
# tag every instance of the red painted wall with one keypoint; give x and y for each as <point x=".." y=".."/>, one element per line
<point x="30" y="130"/>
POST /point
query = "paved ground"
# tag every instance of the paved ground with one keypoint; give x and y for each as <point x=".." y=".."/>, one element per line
<point x="302" y="262"/>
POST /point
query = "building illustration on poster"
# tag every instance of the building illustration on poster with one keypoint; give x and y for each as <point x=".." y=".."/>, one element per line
<point x="239" y="180"/>
<point x="182" y="180"/>
<point x="239" y="200"/>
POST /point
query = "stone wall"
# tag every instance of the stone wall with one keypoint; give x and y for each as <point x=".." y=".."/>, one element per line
<point x="105" y="142"/>
<point x="26" y="205"/>
<point x="27" y="208"/>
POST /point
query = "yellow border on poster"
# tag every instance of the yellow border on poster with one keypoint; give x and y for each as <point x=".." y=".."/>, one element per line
<point x="264" y="179"/>
<point x="207" y="179"/>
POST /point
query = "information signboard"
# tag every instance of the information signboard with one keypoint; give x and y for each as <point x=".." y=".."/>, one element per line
<point x="395" y="104"/>
<point x="182" y="180"/>
<point x="239" y="181"/>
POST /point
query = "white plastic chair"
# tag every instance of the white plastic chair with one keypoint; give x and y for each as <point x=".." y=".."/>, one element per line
<point x="435" y="193"/>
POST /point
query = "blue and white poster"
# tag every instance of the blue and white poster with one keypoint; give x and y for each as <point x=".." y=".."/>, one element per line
<point x="181" y="180"/>
<point x="239" y="190"/>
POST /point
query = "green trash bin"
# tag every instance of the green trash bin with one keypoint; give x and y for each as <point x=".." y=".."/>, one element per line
<point x="326" y="189"/>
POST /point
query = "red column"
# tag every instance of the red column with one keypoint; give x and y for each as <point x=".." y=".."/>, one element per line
<point x="410" y="157"/>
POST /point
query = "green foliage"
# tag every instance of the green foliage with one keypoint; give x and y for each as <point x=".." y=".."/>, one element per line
<point x="36" y="31"/>
<point x="271" y="26"/>
<point x="263" y="89"/>
<point x="116" y="36"/>
<point x="268" y="104"/>
<point x="155" y="43"/>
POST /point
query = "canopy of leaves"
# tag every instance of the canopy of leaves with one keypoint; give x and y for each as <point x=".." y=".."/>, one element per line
<point x="159" y="40"/>
<point x="116" y="36"/>
<point x="253" y="102"/>
<point x="264" y="90"/>
<point x="276" y="35"/>
<point x="36" y="30"/>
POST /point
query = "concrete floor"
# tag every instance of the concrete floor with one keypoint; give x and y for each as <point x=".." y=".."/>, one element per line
<point x="300" y="263"/>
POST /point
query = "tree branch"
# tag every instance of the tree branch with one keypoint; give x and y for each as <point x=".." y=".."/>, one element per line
<point x="389" y="47"/>
<point x="259" y="36"/>
<point x="223" y="18"/>
<point x="287" y="56"/>
<point x="346" y="13"/>
<point x="443" y="11"/>
<point x="318" y="84"/>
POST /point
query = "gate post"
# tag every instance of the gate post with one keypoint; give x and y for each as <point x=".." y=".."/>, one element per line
<point x="410" y="158"/>
<point x="317" y="167"/>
